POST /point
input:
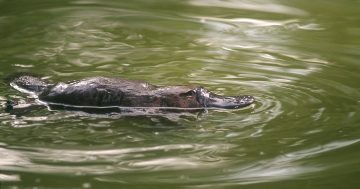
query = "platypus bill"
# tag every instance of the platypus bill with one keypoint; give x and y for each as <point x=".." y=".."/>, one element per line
<point x="116" y="92"/>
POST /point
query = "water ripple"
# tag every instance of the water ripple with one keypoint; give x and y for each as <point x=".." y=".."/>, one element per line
<point x="285" y="166"/>
<point x="266" y="6"/>
<point x="108" y="161"/>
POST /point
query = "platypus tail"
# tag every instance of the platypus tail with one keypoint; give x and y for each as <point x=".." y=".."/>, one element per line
<point x="27" y="82"/>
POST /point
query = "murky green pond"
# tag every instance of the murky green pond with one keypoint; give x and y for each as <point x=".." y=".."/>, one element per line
<point x="300" y="59"/>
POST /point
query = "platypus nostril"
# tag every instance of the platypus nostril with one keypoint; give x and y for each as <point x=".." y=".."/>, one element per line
<point x="246" y="100"/>
<point x="249" y="99"/>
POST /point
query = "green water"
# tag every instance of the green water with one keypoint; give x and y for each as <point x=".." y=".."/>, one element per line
<point x="300" y="59"/>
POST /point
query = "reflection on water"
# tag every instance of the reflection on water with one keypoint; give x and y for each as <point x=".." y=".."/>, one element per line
<point x="100" y="162"/>
<point x="261" y="6"/>
<point x="298" y="59"/>
<point x="113" y="160"/>
<point x="285" y="166"/>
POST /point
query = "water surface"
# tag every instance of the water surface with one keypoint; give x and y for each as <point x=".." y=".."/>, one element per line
<point x="300" y="60"/>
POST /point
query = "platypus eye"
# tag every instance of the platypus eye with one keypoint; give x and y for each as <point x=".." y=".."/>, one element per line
<point x="189" y="93"/>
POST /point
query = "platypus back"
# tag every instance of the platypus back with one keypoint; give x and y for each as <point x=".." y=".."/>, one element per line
<point x="28" y="83"/>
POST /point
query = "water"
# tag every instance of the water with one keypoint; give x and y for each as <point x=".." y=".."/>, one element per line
<point x="300" y="59"/>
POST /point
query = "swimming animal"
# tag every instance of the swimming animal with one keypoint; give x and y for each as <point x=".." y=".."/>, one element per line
<point x="111" y="92"/>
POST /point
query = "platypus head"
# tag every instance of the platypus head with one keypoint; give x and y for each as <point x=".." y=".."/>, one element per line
<point x="205" y="98"/>
<point x="209" y="99"/>
<point x="187" y="97"/>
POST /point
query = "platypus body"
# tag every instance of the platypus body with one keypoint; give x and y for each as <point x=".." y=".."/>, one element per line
<point x="111" y="92"/>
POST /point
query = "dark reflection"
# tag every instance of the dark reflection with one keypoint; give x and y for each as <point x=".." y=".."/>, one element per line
<point x="19" y="110"/>
<point x="125" y="111"/>
<point x="9" y="105"/>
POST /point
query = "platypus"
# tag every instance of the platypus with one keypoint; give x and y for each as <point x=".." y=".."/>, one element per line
<point x="111" y="92"/>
